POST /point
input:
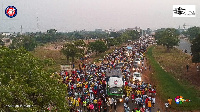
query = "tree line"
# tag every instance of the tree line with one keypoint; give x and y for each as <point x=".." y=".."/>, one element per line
<point x="169" y="37"/>
<point x="76" y="49"/>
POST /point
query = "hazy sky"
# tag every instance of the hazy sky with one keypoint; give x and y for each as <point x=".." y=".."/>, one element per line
<point x="70" y="15"/>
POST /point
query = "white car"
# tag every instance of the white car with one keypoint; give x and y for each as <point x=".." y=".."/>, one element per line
<point x="137" y="60"/>
<point x="137" y="76"/>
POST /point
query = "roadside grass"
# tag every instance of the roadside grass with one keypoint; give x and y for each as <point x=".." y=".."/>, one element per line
<point x="169" y="86"/>
<point x="175" y="63"/>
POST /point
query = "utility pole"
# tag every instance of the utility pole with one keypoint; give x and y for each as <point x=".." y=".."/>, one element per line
<point x="37" y="25"/>
<point x="21" y="30"/>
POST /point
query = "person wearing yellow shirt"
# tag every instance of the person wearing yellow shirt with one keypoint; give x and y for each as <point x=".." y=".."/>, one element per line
<point x="128" y="93"/>
<point x="137" y="110"/>
<point x="92" y="85"/>
<point x="95" y="102"/>
<point x="67" y="85"/>
<point x="130" y="88"/>
<point x="67" y="78"/>
<point x="127" y="88"/>
<point x="170" y="101"/>
<point x="145" y="88"/>
<point x="78" y="85"/>
<point x="81" y="85"/>
<point x="84" y="104"/>
<point x="71" y="99"/>
<point x="139" y="92"/>
<point x="77" y="103"/>
<point x="74" y="101"/>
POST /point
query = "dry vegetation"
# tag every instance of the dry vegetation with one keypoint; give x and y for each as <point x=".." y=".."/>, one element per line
<point x="174" y="61"/>
<point x="42" y="52"/>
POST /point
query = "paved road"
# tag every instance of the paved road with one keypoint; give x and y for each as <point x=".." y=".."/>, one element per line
<point x="184" y="44"/>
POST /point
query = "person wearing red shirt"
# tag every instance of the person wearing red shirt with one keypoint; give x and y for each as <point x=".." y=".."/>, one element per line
<point x="143" y="92"/>
<point x="133" y="97"/>
<point x="126" y="83"/>
<point x="150" y="92"/>
<point x="146" y="101"/>
<point x="95" y="92"/>
<point x="66" y="73"/>
<point x="72" y="87"/>
<point x="99" y="104"/>
<point x="154" y="92"/>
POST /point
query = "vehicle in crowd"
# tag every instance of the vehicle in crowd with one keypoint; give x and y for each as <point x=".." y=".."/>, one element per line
<point x="114" y="84"/>
<point x="137" y="60"/>
<point x="137" y="76"/>
<point x="121" y="64"/>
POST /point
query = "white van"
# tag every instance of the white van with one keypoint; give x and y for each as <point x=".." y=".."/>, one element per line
<point x="137" y="76"/>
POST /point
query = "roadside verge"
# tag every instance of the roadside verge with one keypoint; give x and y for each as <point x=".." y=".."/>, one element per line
<point x="168" y="86"/>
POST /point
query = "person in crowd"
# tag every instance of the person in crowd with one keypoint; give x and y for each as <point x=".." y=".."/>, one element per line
<point x="86" y="84"/>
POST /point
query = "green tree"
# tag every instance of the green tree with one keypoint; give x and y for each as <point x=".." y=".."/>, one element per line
<point x="23" y="81"/>
<point x="112" y="42"/>
<point x="119" y="40"/>
<point x="129" y="35"/>
<point x="193" y="32"/>
<point x="52" y="31"/>
<point x="1" y="43"/>
<point x="80" y="43"/>
<point x="114" y="34"/>
<point x="73" y="51"/>
<point x="26" y="42"/>
<point x="159" y="34"/>
<point x="195" y="48"/>
<point x="98" y="46"/>
<point x="169" y="38"/>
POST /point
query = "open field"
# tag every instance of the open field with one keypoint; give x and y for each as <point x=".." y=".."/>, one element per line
<point x="43" y="53"/>
<point x="48" y="52"/>
<point x="168" y="82"/>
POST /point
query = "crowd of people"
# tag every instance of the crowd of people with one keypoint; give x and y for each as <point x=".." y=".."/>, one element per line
<point x="86" y="84"/>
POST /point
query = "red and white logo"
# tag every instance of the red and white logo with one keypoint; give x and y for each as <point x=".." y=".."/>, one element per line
<point x="115" y="82"/>
<point x="11" y="11"/>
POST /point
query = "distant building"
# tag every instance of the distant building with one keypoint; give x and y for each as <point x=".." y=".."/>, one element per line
<point x="134" y="29"/>
<point x="110" y="30"/>
<point x="6" y="41"/>
<point x="6" y="34"/>
<point x="148" y="31"/>
<point x="98" y="30"/>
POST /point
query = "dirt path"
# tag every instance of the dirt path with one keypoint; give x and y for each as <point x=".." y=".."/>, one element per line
<point x="146" y="78"/>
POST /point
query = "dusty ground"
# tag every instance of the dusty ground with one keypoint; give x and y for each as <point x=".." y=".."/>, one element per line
<point x="193" y="76"/>
<point x="146" y="78"/>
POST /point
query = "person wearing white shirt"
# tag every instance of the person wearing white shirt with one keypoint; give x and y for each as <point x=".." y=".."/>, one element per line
<point x="153" y="101"/>
<point x="111" y="102"/>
